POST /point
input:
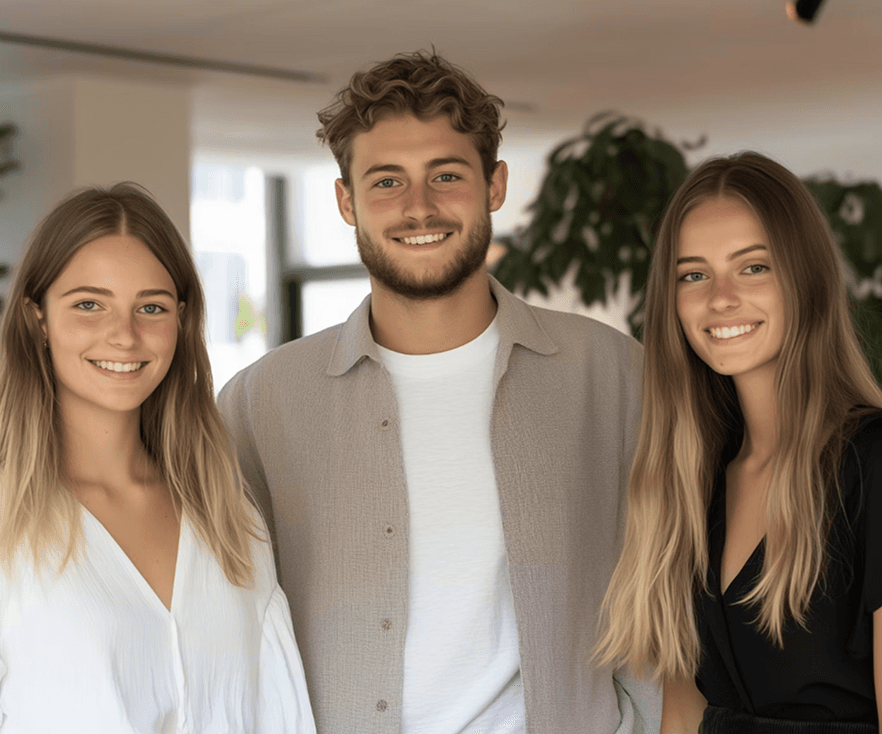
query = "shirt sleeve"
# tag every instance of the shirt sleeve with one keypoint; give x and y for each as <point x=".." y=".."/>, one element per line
<point x="283" y="703"/>
<point x="639" y="702"/>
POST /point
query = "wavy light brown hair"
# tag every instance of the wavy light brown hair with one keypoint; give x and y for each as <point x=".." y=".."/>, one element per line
<point x="181" y="427"/>
<point x="412" y="84"/>
<point x="690" y="413"/>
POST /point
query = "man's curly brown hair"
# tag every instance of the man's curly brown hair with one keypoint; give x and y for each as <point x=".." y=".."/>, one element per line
<point x="416" y="84"/>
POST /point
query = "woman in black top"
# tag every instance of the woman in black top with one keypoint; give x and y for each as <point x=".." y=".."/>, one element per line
<point x="751" y="575"/>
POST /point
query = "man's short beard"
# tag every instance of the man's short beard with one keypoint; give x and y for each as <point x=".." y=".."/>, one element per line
<point x="469" y="259"/>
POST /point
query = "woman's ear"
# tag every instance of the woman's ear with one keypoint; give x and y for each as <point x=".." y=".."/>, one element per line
<point x="39" y="314"/>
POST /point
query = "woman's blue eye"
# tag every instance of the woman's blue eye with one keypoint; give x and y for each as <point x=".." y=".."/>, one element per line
<point x="761" y="269"/>
<point x="82" y="305"/>
<point x="156" y="309"/>
<point x="688" y="278"/>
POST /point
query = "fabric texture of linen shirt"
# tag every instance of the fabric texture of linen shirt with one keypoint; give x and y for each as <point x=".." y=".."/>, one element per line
<point x="316" y="428"/>
<point x="94" y="650"/>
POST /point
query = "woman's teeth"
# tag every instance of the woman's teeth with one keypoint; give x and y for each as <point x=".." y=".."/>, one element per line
<point x="727" y="332"/>
<point x="120" y="366"/>
<point x="424" y="239"/>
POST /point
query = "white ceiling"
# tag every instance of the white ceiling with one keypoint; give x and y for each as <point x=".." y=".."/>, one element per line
<point x="726" y="67"/>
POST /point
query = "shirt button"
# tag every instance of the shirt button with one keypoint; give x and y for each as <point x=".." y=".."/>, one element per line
<point x="382" y="705"/>
<point x="385" y="423"/>
<point x="387" y="624"/>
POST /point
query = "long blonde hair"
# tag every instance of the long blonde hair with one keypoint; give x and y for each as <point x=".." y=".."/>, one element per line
<point x="180" y="424"/>
<point x="691" y="413"/>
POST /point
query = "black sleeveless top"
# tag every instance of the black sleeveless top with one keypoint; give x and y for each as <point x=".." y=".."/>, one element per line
<point x="824" y="673"/>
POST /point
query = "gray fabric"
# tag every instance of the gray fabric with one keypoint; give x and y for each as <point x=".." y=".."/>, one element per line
<point x="316" y="431"/>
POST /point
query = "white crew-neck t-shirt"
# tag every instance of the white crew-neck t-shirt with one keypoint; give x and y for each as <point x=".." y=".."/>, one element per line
<point x="461" y="661"/>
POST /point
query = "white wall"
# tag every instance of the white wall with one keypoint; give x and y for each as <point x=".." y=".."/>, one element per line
<point x="82" y="131"/>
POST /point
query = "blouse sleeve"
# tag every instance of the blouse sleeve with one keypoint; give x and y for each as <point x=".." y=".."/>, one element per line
<point x="871" y="477"/>
<point x="283" y="703"/>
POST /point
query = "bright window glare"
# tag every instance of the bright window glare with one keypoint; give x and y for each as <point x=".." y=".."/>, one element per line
<point x="329" y="302"/>
<point x="228" y="225"/>
<point x="327" y="239"/>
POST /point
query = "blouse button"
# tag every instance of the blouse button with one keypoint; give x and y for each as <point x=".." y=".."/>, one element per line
<point x="387" y="624"/>
<point x="390" y="531"/>
<point x="382" y="705"/>
<point x="385" y="423"/>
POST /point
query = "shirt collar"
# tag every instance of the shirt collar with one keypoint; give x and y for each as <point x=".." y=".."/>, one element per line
<point x="516" y="321"/>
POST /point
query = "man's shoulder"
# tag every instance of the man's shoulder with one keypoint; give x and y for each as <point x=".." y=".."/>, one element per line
<point x="573" y="332"/>
<point x="307" y="358"/>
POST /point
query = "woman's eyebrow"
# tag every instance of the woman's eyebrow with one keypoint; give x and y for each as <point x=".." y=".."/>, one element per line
<point x="736" y="254"/>
<point x="107" y="292"/>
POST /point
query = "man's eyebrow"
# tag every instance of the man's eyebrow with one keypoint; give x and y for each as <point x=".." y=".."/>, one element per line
<point x="733" y="256"/>
<point x="383" y="168"/>
<point x="434" y="163"/>
<point x="109" y="293"/>
<point x="449" y="160"/>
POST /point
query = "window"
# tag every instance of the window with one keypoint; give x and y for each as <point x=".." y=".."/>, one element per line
<point x="326" y="280"/>
<point x="228" y="225"/>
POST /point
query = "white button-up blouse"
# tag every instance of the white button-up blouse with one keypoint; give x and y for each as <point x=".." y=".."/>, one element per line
<point x="94" y="650"/>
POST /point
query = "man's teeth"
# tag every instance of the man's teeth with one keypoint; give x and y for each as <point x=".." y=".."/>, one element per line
<point x="424" y="239"/>
<point x="727" y="332"/>
<point x="120" y="366"/>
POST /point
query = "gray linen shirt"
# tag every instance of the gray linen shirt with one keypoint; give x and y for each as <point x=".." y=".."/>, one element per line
<point x="315" y="427"/>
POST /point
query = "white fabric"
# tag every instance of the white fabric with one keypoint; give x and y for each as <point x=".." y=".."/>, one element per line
<point x="94" y="650"/>
<point x="461" y="661"/>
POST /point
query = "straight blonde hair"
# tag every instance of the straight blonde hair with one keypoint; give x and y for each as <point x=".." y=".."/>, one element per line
<point x="690" y="414"/>
<point x="181" y="427"/>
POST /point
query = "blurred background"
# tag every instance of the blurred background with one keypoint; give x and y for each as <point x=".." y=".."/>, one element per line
<point x="211" y="105"/>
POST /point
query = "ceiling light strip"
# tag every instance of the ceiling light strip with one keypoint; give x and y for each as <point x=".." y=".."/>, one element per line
<point x="228" y="67"/>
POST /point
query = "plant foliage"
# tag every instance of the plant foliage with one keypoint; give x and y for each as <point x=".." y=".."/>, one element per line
<point x="598" y="211"/>
<point x="855" y="214"/>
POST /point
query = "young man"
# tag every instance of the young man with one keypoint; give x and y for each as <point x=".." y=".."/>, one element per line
<point x="444" y="472"/>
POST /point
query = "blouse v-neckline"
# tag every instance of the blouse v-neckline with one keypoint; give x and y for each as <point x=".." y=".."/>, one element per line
<point x="146" y="589"/>
<point x="737" y="581"/>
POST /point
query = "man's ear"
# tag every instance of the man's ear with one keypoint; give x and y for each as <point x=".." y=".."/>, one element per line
<point x="344" y="201"/>
<point x="38" y="312"/>
<point x="498" y="185"/>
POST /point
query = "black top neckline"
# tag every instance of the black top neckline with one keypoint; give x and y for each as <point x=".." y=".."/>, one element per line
<point x="825" y="673"/>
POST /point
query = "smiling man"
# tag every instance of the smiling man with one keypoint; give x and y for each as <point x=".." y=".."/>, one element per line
<point x="444" y="472"/>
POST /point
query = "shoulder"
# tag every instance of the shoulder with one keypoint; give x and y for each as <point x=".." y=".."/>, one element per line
<point x="307" y="358"/>
<point x="590" y="342"/>
<point x="864" y="444"/>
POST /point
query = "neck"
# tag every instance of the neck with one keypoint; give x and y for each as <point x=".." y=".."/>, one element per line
<point x="438" y="325"/>
<point x="103" y="450"/>
<point x="756" y="396"/>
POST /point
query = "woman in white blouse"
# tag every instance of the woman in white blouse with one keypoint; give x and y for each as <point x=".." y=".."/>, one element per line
<point x="137" y="587"/>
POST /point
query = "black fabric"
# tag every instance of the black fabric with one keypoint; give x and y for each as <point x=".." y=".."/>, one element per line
<point x="726" y="721"/>
<point x="824" y="672"/>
